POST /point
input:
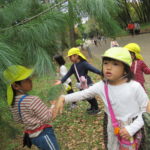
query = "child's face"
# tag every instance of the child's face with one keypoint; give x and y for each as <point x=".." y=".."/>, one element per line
<point x="25" y="85"/>
<point x="74" y="58"/>
<point x="113" y="69"/>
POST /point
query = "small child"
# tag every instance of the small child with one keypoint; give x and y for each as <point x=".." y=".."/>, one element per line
<point x="29" y="110"/>
<point x="80" y="68"/>
<point x="114" y="44"/>
<point x="127" y="99"/>
<point x="138" y="66"/>
<point x="63" y="71"/>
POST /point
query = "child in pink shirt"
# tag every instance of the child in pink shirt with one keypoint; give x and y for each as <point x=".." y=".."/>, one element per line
<point x="138" y="67"/>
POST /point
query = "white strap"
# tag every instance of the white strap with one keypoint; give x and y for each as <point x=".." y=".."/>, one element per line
<point x="135" y="67"/>
<point x="76" y="72"/>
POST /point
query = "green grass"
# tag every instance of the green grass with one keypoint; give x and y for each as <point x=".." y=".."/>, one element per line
<point x="145" y="27"/>
<point x="77" y="130"/>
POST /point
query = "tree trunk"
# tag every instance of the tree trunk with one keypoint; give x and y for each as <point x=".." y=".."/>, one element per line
<point x="71" y="24"/>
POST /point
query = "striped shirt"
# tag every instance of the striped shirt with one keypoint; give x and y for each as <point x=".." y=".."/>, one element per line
<point x="34" y="113"/>
<point x="139" y="68"/>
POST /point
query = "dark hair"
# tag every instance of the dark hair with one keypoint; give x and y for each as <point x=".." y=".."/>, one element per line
<point x="14" y="92"/>
<point x="81" y="59"/>
<point x="59" y="59"/>
<point x="127" y="69"/>
<point x="132" y="53"/>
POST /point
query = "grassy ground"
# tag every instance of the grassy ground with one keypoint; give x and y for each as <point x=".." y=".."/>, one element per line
<point x="145" y="27"/>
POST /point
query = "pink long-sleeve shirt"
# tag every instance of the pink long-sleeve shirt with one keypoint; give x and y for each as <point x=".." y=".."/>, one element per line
<point x="139" y="68"/>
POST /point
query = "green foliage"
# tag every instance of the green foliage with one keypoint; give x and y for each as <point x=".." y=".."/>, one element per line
<point x="7" y="57"/>
<point x="33" y="43"/>
<point x="79" y="42"/>
<point x="48" y="91"/>
<point x="103" y="12"/>
<point x="133" y="11"/>
<point x="8" y="130"/>
<point x="18" y="10"/>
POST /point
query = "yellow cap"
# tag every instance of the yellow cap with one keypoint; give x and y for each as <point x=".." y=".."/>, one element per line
<point x="133" y="47"/>
<point x="120" y="54"/>
<point x="12" y="74"/>
<point x="75" y="51"/>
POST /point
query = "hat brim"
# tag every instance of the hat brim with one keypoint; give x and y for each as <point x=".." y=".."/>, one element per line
<point x="116" y="59"/>
<point x="139" y="56"/>
<point x="26" y="74"/>
<point x="10" y="93"/>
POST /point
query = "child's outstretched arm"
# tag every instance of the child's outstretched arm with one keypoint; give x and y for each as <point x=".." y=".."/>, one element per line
<point x="59" y="106"/>
<point x="92" y="68"/>
<point x="65" y="77"/>
<point x="69" y="73"/>
<point x="57" y="82"/>
<point x="145" y="68"/>
<point x="148" y="107"/>
<point x="77" y="96"/>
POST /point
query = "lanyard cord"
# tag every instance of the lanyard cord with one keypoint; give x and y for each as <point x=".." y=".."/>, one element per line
<point x="21" y="99"/>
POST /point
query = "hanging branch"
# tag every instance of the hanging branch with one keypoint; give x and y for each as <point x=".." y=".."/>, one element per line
<point x="33" y="17"/>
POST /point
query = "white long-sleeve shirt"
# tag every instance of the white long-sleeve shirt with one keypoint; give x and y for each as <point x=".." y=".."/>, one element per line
<point x="128" y="100"/>
<point x="63" y="72"/>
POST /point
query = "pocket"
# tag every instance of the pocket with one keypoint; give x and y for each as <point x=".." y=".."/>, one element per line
<point x="133" y="144"/>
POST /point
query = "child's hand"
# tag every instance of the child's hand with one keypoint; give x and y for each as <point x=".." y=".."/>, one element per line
<point x="58" y="107"/>
<point x="57" y="82"/>
<point x="124" y="134"/>
<point x="58" y="70"/>
<point x="53" y="102"/>
<point x="148" y="107"/>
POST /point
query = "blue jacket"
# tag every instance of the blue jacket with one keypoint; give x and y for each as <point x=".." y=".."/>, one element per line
<point x="82" y="67"/>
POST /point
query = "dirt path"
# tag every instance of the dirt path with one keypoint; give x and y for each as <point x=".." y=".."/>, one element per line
<point x="143" y="40"/>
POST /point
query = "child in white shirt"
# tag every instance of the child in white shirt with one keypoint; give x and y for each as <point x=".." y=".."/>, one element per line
<point x="62" y="72"/>
<point x="127" y="97"/>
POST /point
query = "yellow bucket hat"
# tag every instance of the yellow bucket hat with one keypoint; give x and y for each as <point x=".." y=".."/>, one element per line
<point x="120" y="54"/>
<point x="133" y="47"/>
<point x="12" y="74"/>
<point x="75" y="51"/>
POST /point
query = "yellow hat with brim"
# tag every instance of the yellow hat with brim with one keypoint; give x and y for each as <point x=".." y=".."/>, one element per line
<point x="120" y="54"/>
<point x="12" y="74"/>
<point x="76" y="51"/>
<point x="135" y="48"/>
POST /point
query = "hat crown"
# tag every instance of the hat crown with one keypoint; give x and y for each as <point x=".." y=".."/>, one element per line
<point x="133" y="47"/>
<point x="73" y="51"/>
<point x="76" y="51"/>
<point x="14" y="72"/>
<point x="120" y="54"/>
